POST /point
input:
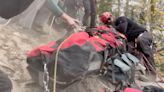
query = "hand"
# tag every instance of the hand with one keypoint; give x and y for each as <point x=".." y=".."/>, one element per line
<point x="71" y="21"/>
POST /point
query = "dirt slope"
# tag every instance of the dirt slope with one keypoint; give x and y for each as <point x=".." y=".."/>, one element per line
<point x="15" y="42"/>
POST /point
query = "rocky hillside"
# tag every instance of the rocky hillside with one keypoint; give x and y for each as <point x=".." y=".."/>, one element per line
<point x="15" y="43"/>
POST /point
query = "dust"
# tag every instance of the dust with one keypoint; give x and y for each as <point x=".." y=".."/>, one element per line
<point x="15" y="43"/>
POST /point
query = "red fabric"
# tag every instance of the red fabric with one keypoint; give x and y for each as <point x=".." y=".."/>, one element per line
<point x="44" y="49"/>
<point x="98" y="43"/>
<point x="112" y="40"/>
<point x="76" y="38"/>
<point x="132" y="90"/>
<point x="80" y="39"/>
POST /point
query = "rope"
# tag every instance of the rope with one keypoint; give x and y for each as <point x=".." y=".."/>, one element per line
<point x="153" y="70"/>
<point x="56" y="59"/>
<point x="51" y="24"/>
<point x="150" y="66"/>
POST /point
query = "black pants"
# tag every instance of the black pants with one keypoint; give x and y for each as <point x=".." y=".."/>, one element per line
<point x="5" y="83"/>
<point x="145" y="42"/>
<point x="90" y="11"/>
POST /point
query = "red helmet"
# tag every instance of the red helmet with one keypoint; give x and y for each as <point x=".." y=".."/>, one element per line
<point x="105" y="17"/>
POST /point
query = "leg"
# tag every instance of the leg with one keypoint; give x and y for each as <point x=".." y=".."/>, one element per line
<point x="144" y="43"/>
<point x="5" y="83"/>
<point x="87" y="11"/>
<point x="93" y="13"/>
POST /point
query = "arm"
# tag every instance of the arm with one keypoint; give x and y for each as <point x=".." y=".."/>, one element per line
<point x="121" y="25"/>
<point x="53" y="5"/>
<point x="60" y="13"/>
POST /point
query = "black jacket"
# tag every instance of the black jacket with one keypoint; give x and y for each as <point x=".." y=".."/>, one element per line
<point x="126" y="26"/>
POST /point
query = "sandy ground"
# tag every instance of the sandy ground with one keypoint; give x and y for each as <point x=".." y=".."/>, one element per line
<point x="15" y="43"/>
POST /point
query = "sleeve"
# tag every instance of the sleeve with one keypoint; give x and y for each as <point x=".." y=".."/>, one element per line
<point x="53" y="6"/>
<point x="121" y="24"/>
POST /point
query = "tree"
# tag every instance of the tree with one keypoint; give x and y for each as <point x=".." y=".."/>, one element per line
<point x="127" y="8"/>
<point x="104" y="5"/>
<point x="122" y="7"/>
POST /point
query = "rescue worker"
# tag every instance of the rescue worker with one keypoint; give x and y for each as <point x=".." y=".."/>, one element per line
<point x="90" y="11"/>
<point x="134" y="33"/>
<point x="5" y="83"/>
<point x="57" y="11"/>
